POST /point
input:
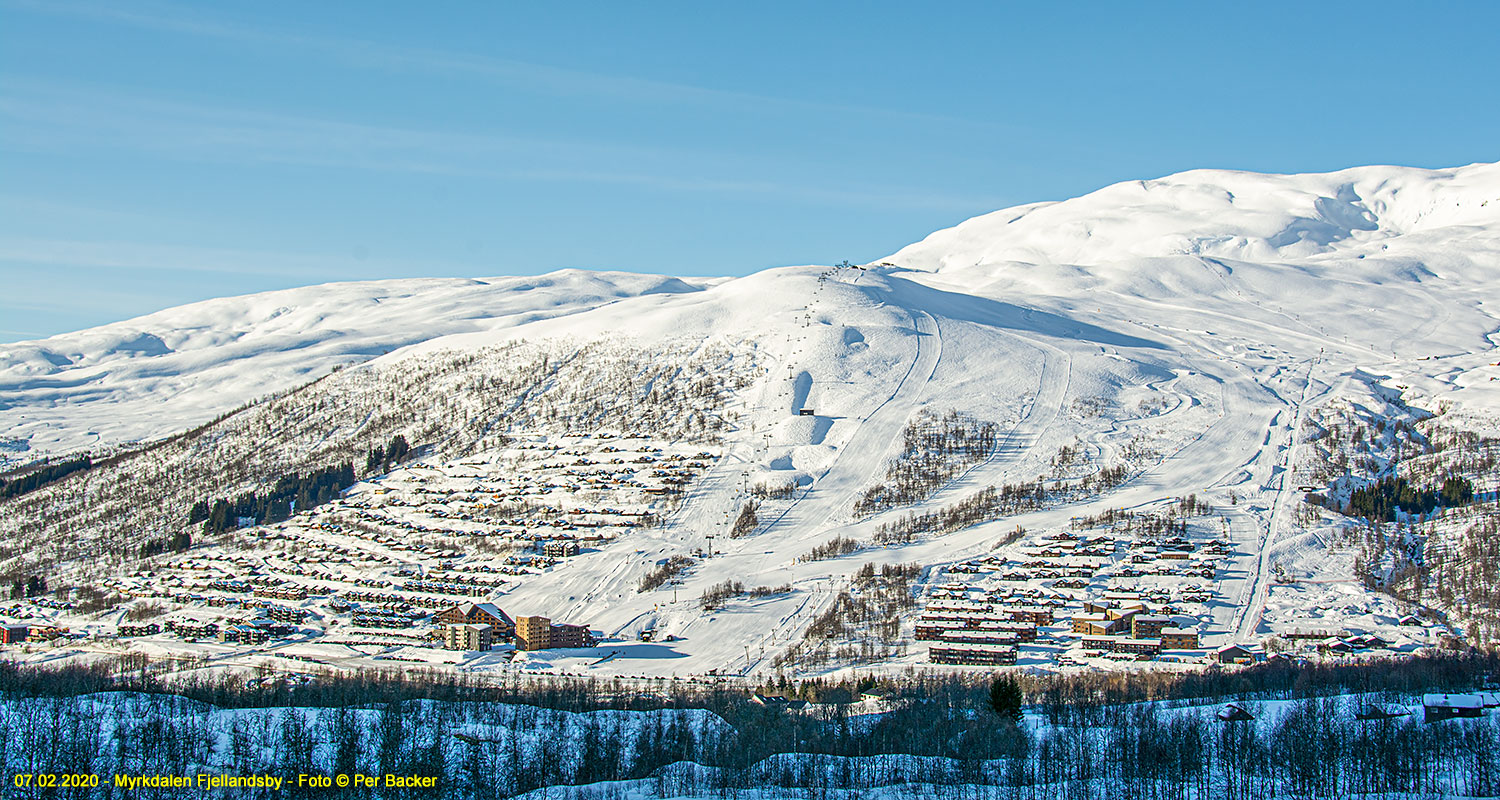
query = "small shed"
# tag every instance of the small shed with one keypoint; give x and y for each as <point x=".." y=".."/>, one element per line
<point x="1438" y="707"/>
<point x="1234" y="712"/>
<point x="776" y="701"/>
<point x="1375" y="712"/>
<point x="1234" y="654"/>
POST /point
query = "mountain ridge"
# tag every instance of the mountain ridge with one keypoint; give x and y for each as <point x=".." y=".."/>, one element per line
<point x="1110" y="388"/>
<point x="1221" y="213"/>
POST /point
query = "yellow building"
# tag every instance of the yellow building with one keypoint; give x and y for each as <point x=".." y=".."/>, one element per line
<point x="533" y="633"/>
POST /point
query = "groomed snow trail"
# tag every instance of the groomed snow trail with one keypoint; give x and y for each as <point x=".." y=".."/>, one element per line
<point x="1017" y="443"/>
<point x="830" y="498"/>
<point x="1260" y="584"/>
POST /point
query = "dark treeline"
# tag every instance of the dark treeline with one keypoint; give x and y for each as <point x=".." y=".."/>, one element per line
<point x="296" y="492"/>
<point x="780" y="491"/>
<point x="839" y="545"/>
<point x="42" y="476"/>
<point x="1381" y="500"/>
<point x="1136" y="523"/>
<point x="498" y="739"/>
<point x="745" y="523"/>
<point x="175" y="543"/>
<point x="863" y="625"/>
<point x="668" y="569"/>
<point x="714" y="596"/>
<point x="380" y="459"/>
<point x="1462" y="571"/>
<point x="29" y="586"/>
<point x="300" y="491"/>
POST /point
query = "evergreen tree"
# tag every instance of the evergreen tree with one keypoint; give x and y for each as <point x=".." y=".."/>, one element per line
<point x="218" y="520"/>
<point x="1005" y="697"/>
<point x="199" y="512"/>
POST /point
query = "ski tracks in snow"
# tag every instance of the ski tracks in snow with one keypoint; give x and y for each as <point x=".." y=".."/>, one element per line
<point x="831" y="495"/>
<point x="1260" y="584"/>
<point x="1018" y="442"/>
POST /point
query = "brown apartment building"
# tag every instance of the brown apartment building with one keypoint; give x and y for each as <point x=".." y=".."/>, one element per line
<point x="538" y="633"/>
<point x="480" y="614"/>
<point x="1143" y="626"/>
<point x="468" y="636"/>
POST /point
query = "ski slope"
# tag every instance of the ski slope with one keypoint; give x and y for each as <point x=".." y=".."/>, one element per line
<point x="1183" y="328"/>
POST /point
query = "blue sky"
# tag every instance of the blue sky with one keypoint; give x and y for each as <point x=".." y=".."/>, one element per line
<point x="153" y="154"/>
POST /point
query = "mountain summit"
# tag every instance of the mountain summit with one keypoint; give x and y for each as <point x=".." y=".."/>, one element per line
<point x="1239" y="216"/>
<point x="1205" y="383"/>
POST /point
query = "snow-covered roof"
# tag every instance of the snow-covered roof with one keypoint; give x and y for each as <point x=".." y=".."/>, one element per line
<point x="1453" y="701"/>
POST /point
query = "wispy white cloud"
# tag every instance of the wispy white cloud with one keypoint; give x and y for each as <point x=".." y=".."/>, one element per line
<point x="47" y="116"/>
<point x="531" y="76"/>
<point x="54" y="115"/>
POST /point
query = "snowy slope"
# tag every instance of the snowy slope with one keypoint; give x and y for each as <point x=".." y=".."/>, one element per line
<point x="1234" y="300"/>
<point x="1242" y="216"/>
<point x="1183" y="330"/>
<point x="154" y="375"/>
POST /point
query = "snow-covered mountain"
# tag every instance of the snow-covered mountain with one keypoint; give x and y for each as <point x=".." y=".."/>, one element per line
<point x="1314" y="244"/>
<point x="1198" y="334"/>
<point x="1240" y="216"/>
<point x="151" y="376"/>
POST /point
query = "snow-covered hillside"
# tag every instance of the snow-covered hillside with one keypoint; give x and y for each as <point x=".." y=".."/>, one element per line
<point x="1312" y="245"/>
<point x="1147" y="342"/>
<point x="155" y="375"/>
<point x="1241" y="216"/>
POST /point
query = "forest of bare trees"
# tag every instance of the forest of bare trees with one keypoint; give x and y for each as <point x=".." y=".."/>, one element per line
<point x="446" y="403"/>
<point x="1104" y="735"/>
<point x="933" y="450"/>
<point x="1412" y="491"/>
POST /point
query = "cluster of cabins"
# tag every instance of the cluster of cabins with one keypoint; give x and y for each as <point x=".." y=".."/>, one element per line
<point x="1331" y="642"/>
<point x="1110" y="626"/>
<point x="983" y="625"/>
<point x="1436" y="707"/>
<point x="988" y="632"/>
<point x="470" y="626"/>
<point x="253" y="631"/>
<point x="450" y="587"/>
<point x="480" y="626"/>
<point x="391" y="600"/>
<point x="15" y="634"/>
<point x="1071" y="559"/>
<point x="382" y="618"/>
<point x="474" y="501"/>
<point x="974" y="633"/>
<point x="358" y="558"/>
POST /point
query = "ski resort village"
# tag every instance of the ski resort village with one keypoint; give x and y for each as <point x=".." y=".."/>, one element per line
<point x="1151" y="428"/>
